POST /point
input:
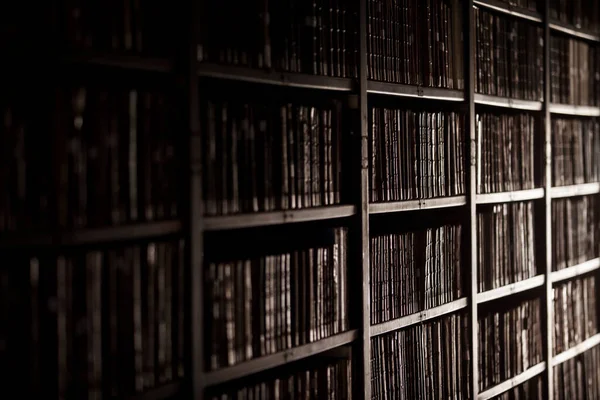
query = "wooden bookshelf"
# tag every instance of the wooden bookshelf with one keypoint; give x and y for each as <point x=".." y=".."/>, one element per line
<point x="189" y="77"/>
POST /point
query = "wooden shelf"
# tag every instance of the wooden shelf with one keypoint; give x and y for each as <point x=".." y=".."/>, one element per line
<point x="506" y="102"/>
<point x="510" y="197"/>
<point x="577" y="350"/>
<point x="513" y="288"/>
<point x="582" y="111"/>
<point x="505" y="8"/>
<point x="130" y="62"/>
<point x="144" y="230"/>
<point x="414" y="205"/>
<point x="275" y="360"/>
<point x="277" y="217"/>
<point x="267" y="77"/>
<point x="512" y="383"/>
<point x="576" y="270"/>
<point x="573" y="31"/>
<point x="416" y="318"/>
<point x="162" y="392"/>
<point x="584" y="189"/>
<point x="394" y="89"/>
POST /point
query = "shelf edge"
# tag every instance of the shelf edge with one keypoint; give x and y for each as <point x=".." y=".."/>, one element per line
<point x="415" y="205"/>
<point x="577" y="350"/>
<point x="575" y="271"/>
<point x="584" y="189"/>
<point x="412" y="319"/>
<point x="510" y="197"/>
<point x="509" y="290"/>
<point x="513" y="382"/>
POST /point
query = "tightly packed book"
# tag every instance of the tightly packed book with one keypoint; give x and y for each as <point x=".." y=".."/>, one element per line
<point x="510" y="342"/>
<point x="531" y="389"/>
<point x="505" y="152"/>
<point x="582" y="14"/>
<point x="97" y="324"/>
<point x="324" y="378"/>
<point x="117" y="156"/>
<point x="121" y="27"/>
<point x="265" y="304"/>
<point x="506" y="250"/>
<point x="413" y="42"/>
<point x="573" y="78"/>
<point x="509" y="55"/>
<point x="575" y="146"/>
<point x="416" y="154"/>
<point x="267" y="156"/>
<point x="578" y="377"/>
<point x="426" y="361"/>
<point x="574" y="231"/>
<point x="414" y="271"/>
<point x="312" y="37"/>
<point x="575" y="313"/>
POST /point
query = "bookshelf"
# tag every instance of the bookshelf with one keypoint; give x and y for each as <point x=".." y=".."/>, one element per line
<point x="370" y="214"/>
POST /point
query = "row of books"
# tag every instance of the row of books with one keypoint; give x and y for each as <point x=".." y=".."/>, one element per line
<point x="416" y="155"/>
<point x="574" y="231"/>
<point x="265" y="157"/>
<point x="575" y="144"/>
<point x="118" y="156"/>
<point x="126" y="27"/>
<point x="414" y="271"/>
<point x="509" y="55"/>
<point x="578" y="378"/>
<point x="415" y="43"/>
<point x="510" y="342"/>
<point x="324" y="378"/>
<point x="114" y="158"/>
<point x="530" y="389"/>
<point x="315" y="37"/>
<point x="573" y="66"/>
<point x="575" y="312"/>
<point x="95" y="324"/>
<point x="426" y="361"/>
<point x="506" y="244"/>
<point x="505" y="152"/>
<point x="270" y="303"/>
<point x="583" y="14"/>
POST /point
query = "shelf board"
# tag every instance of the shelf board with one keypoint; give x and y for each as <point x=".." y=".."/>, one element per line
<point x="510" y="197"/>
<point x="577" y="350"/>
<point x="505" y="8"/>
<point x="416" y="318"/>
<point x="414" y="205"/>
<point x="144" y="230"/>
<point x="394" y="89"/>
<point x="507" y="102"/>
<point x="573" y="31"/>
<point x="584" y="189"/>
<point x="511" y="289"/>
<point x="161" y="392"/>
<point x="275" y="360"/>
<point x="581" y="111"/>
<point x="277" y="217"/>
<point x="269" y="77"/>
<point x="130" y="62"/>
<point x="513" y="382"/>
<point x="575" y="271"/>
